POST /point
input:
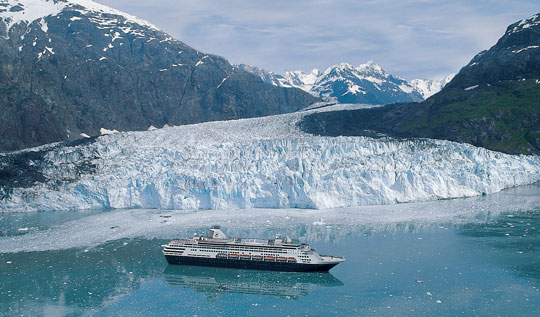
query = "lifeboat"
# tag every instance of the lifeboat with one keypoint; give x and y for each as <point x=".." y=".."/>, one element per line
<point x="282" y="258"/>
<point x="269" y="258"/>
<point x="291" y="259"/>
<point x="233" y="256"/>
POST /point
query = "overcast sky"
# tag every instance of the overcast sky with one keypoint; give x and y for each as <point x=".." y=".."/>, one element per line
<point x="409" y="38"/>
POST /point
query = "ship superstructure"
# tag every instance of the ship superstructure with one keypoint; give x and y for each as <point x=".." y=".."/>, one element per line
<point x="279" y="254"/>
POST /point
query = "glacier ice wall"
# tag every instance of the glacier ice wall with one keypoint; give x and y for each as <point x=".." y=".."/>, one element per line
<point x="263" y="163"/>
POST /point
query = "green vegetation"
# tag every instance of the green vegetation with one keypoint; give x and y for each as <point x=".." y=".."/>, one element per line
<point x="502" y="117"/>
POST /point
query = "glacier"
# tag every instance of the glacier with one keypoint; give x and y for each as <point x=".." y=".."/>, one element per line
<point x="260" y="163"/>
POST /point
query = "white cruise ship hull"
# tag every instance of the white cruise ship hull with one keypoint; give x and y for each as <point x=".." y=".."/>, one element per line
<point x="253" y="265"/>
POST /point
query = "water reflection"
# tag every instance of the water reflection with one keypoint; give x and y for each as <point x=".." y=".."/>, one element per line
<point x="216" y="281"/>
<point x="511" y="240"/>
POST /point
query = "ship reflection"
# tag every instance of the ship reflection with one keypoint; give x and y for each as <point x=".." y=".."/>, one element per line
<point x="216" y="281"/>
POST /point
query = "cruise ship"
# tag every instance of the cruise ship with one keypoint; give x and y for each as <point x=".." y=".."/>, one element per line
<point x="218" y="250"/>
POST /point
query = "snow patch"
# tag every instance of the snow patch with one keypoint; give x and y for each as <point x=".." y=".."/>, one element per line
<point x="221" y="83"/>
<point x="354" y="89"/>
<point x="33" y="10"/>
<point x="43" y="25"/>
<point x="45" y="51"/>
<point x="406" y="88"/>
<point x="471" y="88"/>
<point x="525" y="49"/>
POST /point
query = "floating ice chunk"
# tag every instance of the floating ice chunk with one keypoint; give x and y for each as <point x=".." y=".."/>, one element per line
<point x="104" y="131"/>
<point x="319" y="222"/>
<point x="84" y="135"/>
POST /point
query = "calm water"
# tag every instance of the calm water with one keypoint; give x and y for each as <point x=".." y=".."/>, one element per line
<point x="487" y="266"/>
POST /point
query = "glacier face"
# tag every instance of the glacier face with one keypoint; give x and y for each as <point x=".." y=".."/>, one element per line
<point x="261" y="163"/>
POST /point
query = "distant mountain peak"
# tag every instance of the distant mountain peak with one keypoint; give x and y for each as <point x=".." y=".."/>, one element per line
<point x="370" y="66"/>
<point x="428" y="87"/>
<point x="366" y="83"/>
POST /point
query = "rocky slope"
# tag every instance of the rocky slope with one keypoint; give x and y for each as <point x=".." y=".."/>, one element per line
<point x="72" y="68"/>
<point x="493" y="102"/>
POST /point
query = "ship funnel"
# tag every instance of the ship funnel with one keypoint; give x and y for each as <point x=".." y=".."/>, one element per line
<point x="216" y="233"/>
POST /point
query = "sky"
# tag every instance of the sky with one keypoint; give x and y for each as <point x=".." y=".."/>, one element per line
<point x="409" y="38"/>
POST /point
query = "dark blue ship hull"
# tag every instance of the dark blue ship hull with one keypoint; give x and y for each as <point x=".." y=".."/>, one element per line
<point x="249" y="264"/>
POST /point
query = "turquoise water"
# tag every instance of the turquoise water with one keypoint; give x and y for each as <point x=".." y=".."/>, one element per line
<point x="489" y="266"/>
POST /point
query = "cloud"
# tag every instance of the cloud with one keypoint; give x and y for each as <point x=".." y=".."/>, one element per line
<point x="410" y="38"/>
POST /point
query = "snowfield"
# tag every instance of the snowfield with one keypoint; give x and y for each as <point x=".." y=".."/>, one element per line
<point x="263" y="163"/>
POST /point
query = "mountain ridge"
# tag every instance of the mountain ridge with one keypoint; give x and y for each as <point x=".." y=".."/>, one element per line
<point x="493" y="102"/>
<point x="71" y="68"/>
<point x="367" y="83"/>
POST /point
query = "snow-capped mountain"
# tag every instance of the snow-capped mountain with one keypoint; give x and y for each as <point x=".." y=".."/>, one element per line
<point x="428" y="87"/>
<point x="266" y="76"/>
<point x="259" y="162"/>
<point x="72" y="68"/>
<point x="303" y="80"/>
<point x="365" y="84"/>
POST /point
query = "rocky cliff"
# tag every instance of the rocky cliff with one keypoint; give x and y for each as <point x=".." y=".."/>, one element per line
<point x="76" y="68"/>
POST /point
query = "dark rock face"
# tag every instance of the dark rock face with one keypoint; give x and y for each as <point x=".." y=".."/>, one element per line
<point x="88" y="70"/>
<point x="515" y="56"/>
<point x="493" y="102"/>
